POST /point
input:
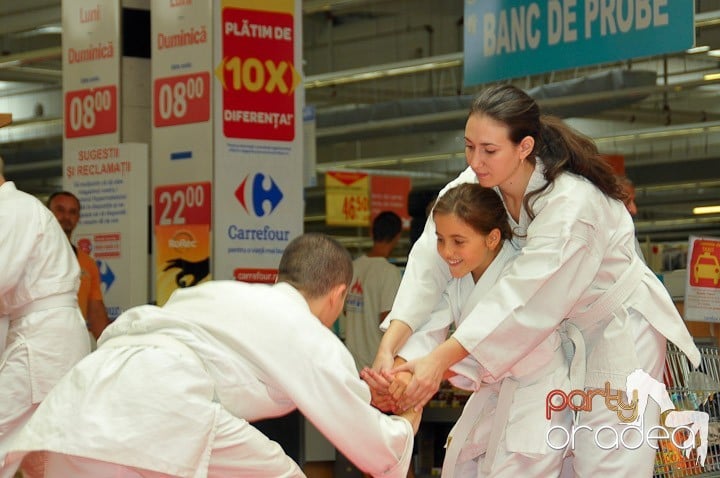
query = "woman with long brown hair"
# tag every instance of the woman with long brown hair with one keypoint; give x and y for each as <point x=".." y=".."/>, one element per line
<point x="578" y="269"/>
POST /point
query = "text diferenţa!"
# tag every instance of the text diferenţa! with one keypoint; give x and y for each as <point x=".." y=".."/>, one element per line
<point x="258" y="117"/>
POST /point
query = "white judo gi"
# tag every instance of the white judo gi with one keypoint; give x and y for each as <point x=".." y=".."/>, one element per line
<point x="171" y="389"/>
<point x="496" y="437"/>
<point x="578" y="261"/>
<point x="46" y="334"/>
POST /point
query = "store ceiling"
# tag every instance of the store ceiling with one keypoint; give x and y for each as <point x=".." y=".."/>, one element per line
<point x="386" y="79"/>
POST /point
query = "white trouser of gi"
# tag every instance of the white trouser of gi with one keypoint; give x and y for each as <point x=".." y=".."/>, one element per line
<point x="478" y="445"/>
<point x="589" y="459"/>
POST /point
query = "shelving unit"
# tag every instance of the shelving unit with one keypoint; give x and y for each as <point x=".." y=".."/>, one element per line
<point x="692" y="390"/>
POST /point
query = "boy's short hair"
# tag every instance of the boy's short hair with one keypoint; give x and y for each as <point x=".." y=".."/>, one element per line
<point x="314" y="263"/>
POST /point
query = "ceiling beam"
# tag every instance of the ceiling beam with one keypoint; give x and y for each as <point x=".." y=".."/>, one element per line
<point x="31" y="56"/>
<point x="30" y="18"/>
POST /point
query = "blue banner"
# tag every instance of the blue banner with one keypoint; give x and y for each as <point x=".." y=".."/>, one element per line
<point x="514" y="38"/>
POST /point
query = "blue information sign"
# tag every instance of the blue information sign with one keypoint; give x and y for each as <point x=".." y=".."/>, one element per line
<point x="513" y="38"/>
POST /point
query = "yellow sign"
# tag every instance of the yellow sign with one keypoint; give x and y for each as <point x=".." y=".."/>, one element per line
<point x="182" y="258"/>
<point x="281" y="6"/>
<point x="347" y="199"/>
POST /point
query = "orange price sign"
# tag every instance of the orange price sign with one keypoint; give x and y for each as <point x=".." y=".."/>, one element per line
<point x="91" y="112"/>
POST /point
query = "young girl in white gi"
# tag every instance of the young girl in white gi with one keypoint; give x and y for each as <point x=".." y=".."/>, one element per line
<point x="578" y="261"/>
<point x="493" y="437"/>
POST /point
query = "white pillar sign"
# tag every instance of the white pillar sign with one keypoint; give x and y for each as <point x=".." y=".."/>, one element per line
<point x="91" y="72"/>
<point x="258" y="135"/>
<point x="111" y="183"/>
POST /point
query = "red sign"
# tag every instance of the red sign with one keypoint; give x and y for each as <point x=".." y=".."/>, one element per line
<point x="616" y="162"/>
<point x="704" y="264"/>
<point x="107" y="245"/>
<point x="91" y="111"/>
<point x="181" y="99"/>
<point x="102" y="245"/>
<point x="258" y="276"/>
<point x="182" y="204"/>
<point x="347" y="178"/>
<point x="258" y="75"/>
<point x="390" y="193"/>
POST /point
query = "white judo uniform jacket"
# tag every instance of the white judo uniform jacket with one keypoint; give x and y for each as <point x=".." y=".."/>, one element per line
<point x="39" y="279"/>
<point x="523" y="426"/>
<point x="255" y="351"/>
<point x="578" y="261"/>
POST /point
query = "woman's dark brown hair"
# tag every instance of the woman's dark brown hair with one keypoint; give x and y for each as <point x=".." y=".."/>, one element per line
<point x="560" y="147"/>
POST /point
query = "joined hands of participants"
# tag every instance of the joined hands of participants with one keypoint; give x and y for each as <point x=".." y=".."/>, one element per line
<point x="397" y="385"/>
<point x="386" y="388"/>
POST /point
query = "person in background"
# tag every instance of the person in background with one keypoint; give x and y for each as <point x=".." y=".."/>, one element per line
<point x="629" y="201"/>
<point x="372" y="292"/>
<point x="629" y="189"/>
<point x="66" y="207"/>
<point x="495" y="435"/>
<point x="171" y="390"/>
<point x="578" y="269"/>
<point x="46" y="335"/>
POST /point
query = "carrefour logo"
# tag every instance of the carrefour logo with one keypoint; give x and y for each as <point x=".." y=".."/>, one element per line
<point x="262" y="196"/>
<point x="107" y="276"/>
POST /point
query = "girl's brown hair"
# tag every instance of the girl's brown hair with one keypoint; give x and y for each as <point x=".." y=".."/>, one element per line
<point x="479" y="207"/>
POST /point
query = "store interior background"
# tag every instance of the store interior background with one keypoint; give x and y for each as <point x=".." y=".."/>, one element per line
<point x="386" y="79"/>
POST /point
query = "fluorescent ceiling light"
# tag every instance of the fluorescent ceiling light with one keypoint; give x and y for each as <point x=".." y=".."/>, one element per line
<point x="27" y="57"/>
<point x="55" y="29"/>
<point x="662" y="132"/>
<point x="714" y="53"/>
<point x="698" y="49"/>
<point x="9" y="63"/>
<point x="711" y="77"/>
<point x="387" y="161"/>
<point x="707" y="19"/>
<point x="706" y="210"/>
